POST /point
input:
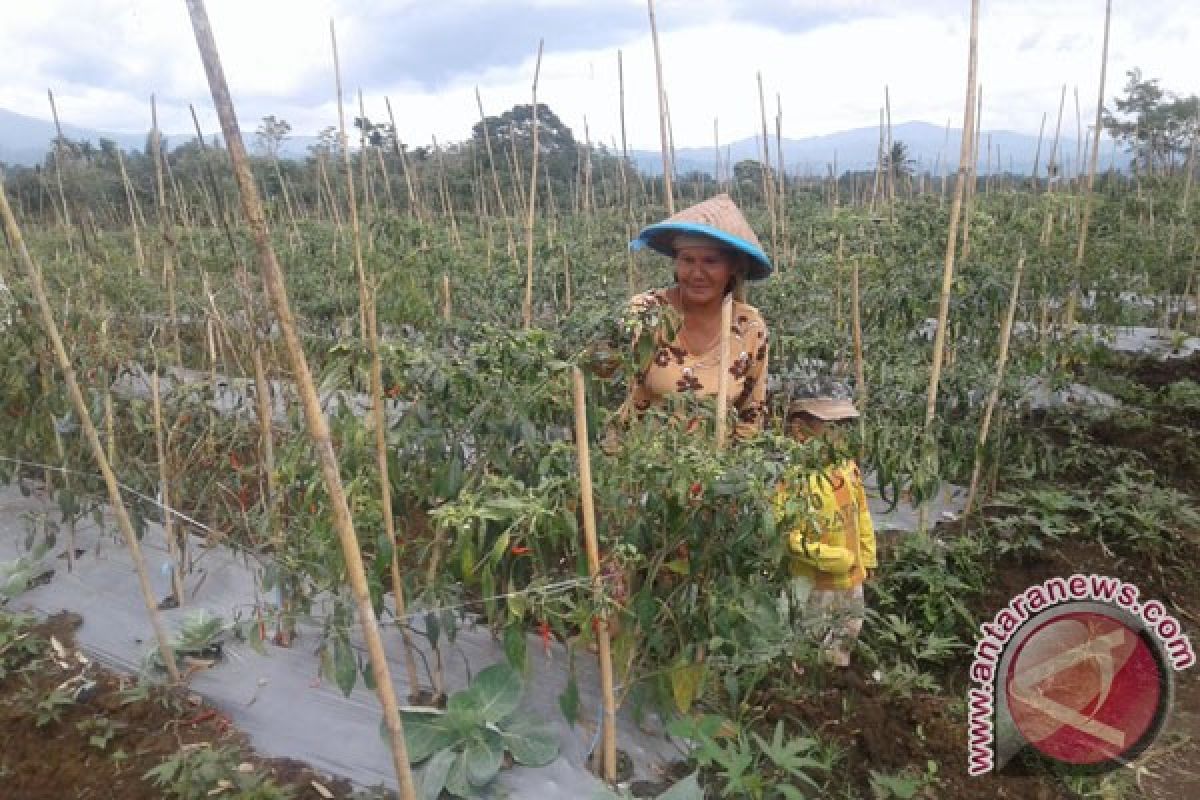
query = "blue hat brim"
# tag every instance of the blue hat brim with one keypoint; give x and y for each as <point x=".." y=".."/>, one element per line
<point x="660" y="236"/>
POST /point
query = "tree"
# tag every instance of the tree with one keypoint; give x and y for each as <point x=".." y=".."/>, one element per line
<point x="515" y="126"/>
<point x="271" y="135"/>
<point x="899" y="161"/>
<point x="1157" y="125"/>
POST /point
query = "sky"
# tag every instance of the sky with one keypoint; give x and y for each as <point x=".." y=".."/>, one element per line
<point x="826" y="63"/>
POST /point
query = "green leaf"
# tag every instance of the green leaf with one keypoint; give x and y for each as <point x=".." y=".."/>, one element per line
<point x="531" y="742"/>
<point x="568" y="701"/>
<point x="433" y="628"/>
<point x="514" y="645"/>
<point x="483" y="756"/>
<point x="425" y="733"/>
<point x="345" y="665"/>
<point x="433" y="777"/>
<point x="498" y="689"/>
<point x="457" y="782"/>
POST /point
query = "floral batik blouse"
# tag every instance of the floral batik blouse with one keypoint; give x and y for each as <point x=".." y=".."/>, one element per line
<point x="672" y="369"/>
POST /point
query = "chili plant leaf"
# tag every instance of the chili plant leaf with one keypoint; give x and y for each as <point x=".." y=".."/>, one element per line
<point x="457" y="782"/>
<point x="568" y="701"/>
<point x="345" y="665"/>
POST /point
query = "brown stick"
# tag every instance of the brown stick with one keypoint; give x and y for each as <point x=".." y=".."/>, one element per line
<point x="487" y="141"/>
<point x="723" y="375"/>
<point x="83" y="413"/>
<point x="165" y="489"/>
<point x="318" y="428"/>
<point x="994" y="395"/>
<point x="1088" y="197"/>
<point x="378" y="408"/>
<point x="527" y="303"/>
<point x="668" y="167"/>
<point x="964" y="170"/>
<point x="603" y="644"/>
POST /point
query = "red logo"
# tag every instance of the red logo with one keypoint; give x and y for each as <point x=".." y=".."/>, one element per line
<point x="1086" y="688"/>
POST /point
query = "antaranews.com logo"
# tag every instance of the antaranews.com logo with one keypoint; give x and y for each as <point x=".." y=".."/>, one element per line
<point x="1077" y="668"/>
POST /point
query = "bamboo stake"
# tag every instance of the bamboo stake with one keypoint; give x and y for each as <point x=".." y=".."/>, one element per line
<point x="668" y="167"/>
<point x="318" y="428"/>
<point x="164" y="480"/>
<point x="447" y="309"/>
<point x="628" y="192"/>
<point x="527" y="303"/>
<point x="414" y="199"/>
<point x="768" y="182"/>
<point x="166" y="230"/>
<point x="723" y="375"/>
<point x="860" y="379"/>
<point x="487" y="141"/>
<point x="1052" y="163"/>
<point x="58" y="158"/>
<point x="973" y="180"/>
<point x="1088" y="197"/>
<point x="603" y="643"/>
<point x="1188" y="170"/>
<point x="994" y="395"/>
<point x="370" y="332"/>
<point x="83" y="413"/>
<point x="891" y="176"/>
<point x="964" y="169"/>
<point x="1079" y="146"/>
<point x="133" y="221"/>
<point x="1037" y="154"/>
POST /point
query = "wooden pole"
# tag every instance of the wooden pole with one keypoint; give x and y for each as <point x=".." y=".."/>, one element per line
<point x="414" y="201"/>
<point x="164" y="478"/>
<point x="856" y="321"/>
<point x="378" y="420"/>
<point x="964" y="170"/>
<point x="1052" y="163"/>
<point x="318" y="427"/>
<point x="994" y="395"/>
<point x="1088" y="196"/>
<point x="668" y="167"/>
<point x="527" y="303"/>
<point x="603" y="643"/>
<point x="768" y="182"/>
<point x="83" y="413"/>
<point x="1037" y="154"/>
<point x="487" y="140"/>
<point x="167" y="230"/>
<point x="723" y="375"/>
<point x="58" y="159"/>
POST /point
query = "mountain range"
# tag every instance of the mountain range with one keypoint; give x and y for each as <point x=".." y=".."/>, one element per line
<point x="25" y="140"/>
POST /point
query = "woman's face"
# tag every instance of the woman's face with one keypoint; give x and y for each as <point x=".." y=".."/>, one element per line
<point x="703" y="272"/>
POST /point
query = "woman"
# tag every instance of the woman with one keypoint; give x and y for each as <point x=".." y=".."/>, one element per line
<point x="714" y="250"/>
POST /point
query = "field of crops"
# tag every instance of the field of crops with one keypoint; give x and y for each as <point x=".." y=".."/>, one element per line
<point x="444" y="351"/>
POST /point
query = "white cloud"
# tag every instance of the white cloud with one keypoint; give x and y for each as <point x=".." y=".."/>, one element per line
<point x="828" y="61"/>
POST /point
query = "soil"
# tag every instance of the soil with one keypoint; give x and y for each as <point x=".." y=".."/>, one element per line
<point x="55" y="761"/>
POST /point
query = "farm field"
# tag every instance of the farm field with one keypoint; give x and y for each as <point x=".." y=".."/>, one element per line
<point x="480" y="523"/>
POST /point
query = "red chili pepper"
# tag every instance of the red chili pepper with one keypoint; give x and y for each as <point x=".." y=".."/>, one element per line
<point x="234" y="462"/>
<point x="544" y="632"/>
<point x="520" y="550"/>
<point x="697" y="489"/>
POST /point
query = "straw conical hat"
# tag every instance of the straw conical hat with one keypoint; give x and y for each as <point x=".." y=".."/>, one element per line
<point x="717" y="218"/>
